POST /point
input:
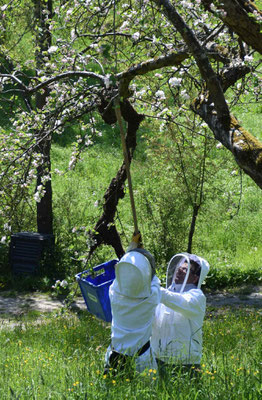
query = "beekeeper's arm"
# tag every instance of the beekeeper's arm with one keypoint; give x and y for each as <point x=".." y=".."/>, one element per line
<point x="189" y="303"/>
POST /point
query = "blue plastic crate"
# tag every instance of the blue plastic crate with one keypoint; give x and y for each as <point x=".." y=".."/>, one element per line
<point x="95" y="289"/>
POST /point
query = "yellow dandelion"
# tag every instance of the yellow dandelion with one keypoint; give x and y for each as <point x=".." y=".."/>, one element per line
<point x="127" y="380"/>
<point x="104" y="376"/>
<point x="114" y="382"/>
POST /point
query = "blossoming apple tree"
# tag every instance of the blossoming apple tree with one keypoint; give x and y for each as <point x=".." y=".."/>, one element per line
<point x="171" y="61"/>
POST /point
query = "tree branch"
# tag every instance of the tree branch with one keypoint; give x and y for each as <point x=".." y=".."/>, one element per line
<point x="235" y="14"/>
<point x="246" y="149"/>
<point x="150" y="65"/>
<point x="47" y="82"/>
<point x="206" y="71"/>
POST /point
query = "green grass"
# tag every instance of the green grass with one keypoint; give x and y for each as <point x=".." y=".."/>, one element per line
<point x="62" y="358"/>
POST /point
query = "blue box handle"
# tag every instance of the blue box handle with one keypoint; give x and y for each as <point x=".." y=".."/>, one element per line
<point x="97" y="268"/>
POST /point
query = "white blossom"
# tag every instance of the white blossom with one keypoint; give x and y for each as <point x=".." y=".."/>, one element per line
<point x="52" y="49"/>
<point x="184" y="95"/>
<point x="175" y="81"/>
<point x="248" y="58"/>
<point x="64" y="283"/>
<point x="136" y="36"/>
<point x="72" y="163"/>
<point x="107" y="81"/>
<point x="160" y="95"/>
<point x="57" y="283"/>
<point x="124" y="26"/>
<point x="37" y="197"/>
<point x="3" y="240"/>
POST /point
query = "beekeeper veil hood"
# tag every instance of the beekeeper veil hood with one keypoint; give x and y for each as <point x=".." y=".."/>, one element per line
<point x="177" y="260"/>
<point x="133" y="275"/>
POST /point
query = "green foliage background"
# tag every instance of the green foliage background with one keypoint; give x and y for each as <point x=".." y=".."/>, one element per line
<point x="228" y="230"/>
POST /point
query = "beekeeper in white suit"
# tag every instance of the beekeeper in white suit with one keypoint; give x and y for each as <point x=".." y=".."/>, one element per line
<point x="177" y="328"/>
<point x="134" y="295"/>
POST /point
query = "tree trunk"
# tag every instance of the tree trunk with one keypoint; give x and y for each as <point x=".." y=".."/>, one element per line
<point x="43" y="42"/>
<point x="192" y="227"/>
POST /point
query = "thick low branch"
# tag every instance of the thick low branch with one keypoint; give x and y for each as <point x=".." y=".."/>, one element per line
<point x="172" y="59"/>
<point x="105" y="230"/>
<point x="246" y="149"/>
<point x="235" y="14"/>
<point x="143" y="68"/>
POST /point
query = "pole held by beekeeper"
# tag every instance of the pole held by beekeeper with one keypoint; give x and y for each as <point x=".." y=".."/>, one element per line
<point x="127" y="164"/>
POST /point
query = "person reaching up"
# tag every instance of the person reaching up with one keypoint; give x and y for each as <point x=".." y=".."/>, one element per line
<point x="177" y="328"/>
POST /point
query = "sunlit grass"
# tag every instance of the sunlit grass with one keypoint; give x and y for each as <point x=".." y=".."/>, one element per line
<point x="62" y="358"/>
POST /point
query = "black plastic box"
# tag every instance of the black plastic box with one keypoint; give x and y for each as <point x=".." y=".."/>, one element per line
<point x="27" y="249"/>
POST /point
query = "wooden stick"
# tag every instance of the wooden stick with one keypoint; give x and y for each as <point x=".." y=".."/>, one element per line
<point x="123" y="140"/>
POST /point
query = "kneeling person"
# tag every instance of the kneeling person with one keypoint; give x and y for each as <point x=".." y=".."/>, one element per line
<point x="134" y="295"/>
<point x="177" y="329"/>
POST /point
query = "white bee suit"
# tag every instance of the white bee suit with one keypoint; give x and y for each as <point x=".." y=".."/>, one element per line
<point x="177" y="328"/>
<point x="134" y="296"/>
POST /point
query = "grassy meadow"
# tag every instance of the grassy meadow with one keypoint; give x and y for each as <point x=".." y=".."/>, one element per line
<point x="61" y="357"/>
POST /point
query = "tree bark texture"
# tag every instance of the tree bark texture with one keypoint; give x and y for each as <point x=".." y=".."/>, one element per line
<point x="246" y="149"/>
<point x="196" y="208"/>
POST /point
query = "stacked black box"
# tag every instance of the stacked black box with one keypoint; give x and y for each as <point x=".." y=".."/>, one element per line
<point x="27" y="249"/>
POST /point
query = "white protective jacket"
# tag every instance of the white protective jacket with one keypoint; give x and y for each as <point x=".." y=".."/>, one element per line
<point x="177" y="328"/>
<point x="134" y="296"/>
